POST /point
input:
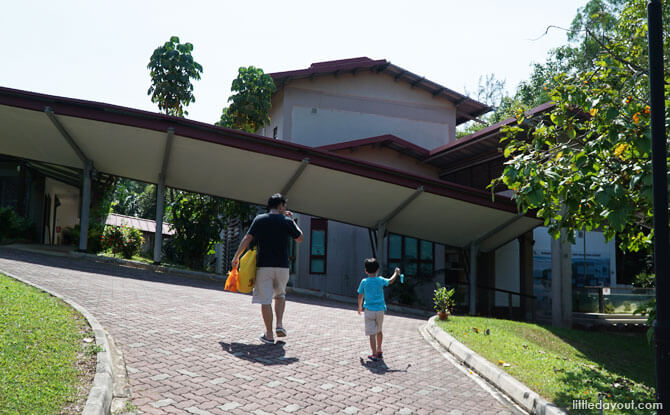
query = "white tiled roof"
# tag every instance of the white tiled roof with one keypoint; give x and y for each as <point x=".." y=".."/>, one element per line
<point x="144" y="225"/>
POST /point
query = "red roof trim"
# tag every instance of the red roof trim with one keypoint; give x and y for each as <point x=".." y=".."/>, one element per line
<point x="318" y="68"/>
<point x="245" y="141"/>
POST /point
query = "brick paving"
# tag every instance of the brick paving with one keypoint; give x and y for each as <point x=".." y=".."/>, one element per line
<point x="192" y="348"/>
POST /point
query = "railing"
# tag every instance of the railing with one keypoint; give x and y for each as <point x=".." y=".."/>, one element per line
<point x="464" y="294"/>
<point x="610" y="300"/>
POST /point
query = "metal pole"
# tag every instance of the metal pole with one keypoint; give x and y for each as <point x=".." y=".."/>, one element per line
<point x="160" y="210"/>
<point x="85" y="206"/>
<point x="660" y="192"/>
<point x="473" y="278"/>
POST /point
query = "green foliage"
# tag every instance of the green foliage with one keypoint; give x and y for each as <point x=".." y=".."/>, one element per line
<point x="124" y="240"/>
<point x="561" y="364"/>
<point x="442" y="299"/>
<point x="197" y="221"/>
<point x="14" y="226"/>
<point x="648" y="309"/>
<point x="41" y="341"/>
<point x="251" y="102"/>
<point x="133" y="242"/>
<point x="94" y="237"/>
<point x="644" y="280"/>
<point x="112" y="239"/>
<point x="172" y="67"/>
<point x="132" y="198"/>
<point x="587" y="165"/>
<point x="608" y="307"/>
<point x="589" y="30"/>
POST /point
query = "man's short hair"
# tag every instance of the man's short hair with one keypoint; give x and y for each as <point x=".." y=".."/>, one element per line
<point x="275" y="200"/>
<point x="371" y="265"/>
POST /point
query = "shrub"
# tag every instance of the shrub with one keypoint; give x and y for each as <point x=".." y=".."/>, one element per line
<point x="122" y="240"/>
<point x="14" y="226"/>
<point x="133" y="241"/>
<point x="94" y="238"/>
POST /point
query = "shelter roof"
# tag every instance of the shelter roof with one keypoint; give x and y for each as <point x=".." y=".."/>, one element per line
<point x="213" y="160"/>
<point x="466" y="107"/>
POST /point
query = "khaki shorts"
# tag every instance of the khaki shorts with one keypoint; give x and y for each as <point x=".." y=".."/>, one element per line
<point x="270" y="283"/>
<point x="373" y="322"/>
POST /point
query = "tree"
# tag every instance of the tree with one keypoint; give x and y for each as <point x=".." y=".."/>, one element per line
<point x="589" y="30"/>
<point x="172" y="67"/>
<point x="251" y="102"/>
<point x="197" y="221"/>
<point x="490" y="91"/>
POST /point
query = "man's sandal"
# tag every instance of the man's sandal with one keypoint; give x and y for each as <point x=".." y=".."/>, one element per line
<point x="281" y="332"/>
<point x="266" y="340"/>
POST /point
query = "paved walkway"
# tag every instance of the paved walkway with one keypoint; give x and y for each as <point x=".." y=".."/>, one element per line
<point x="192" y="348"/>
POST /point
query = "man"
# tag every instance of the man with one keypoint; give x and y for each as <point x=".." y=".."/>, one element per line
<point x="272" y="232"/>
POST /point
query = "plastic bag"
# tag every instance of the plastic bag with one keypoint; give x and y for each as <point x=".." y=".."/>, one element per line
<point x="247" y="272"/>
<point x="232" y="280"/>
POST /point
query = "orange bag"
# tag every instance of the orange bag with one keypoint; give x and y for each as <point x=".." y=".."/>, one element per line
<point x="232" y="281"/>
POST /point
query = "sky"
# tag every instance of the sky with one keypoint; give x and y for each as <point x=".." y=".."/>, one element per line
<point x="99" y="50"/>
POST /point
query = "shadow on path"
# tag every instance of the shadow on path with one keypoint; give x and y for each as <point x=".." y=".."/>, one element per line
<point x="91" y="265"/>
<point x="267" y="354"/>
<point x="380" y="368"/>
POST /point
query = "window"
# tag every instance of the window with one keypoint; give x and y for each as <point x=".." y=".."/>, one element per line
<point x="413" y="256"/>
<point x="318" y="246"/>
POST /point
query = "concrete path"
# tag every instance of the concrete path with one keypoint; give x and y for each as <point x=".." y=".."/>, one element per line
<point x="192" y="348"/>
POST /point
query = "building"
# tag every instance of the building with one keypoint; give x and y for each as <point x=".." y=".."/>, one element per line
<point x="377" y="112"/>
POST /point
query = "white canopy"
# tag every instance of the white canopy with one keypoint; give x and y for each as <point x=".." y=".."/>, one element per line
<point x="246" y="167"/>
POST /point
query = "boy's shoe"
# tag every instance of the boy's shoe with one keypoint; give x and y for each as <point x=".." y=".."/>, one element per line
<point x="373" y="358"/>
<point x="266" y="340"/>
<point x="281" y="332"/>
<point x="379" y="355"/>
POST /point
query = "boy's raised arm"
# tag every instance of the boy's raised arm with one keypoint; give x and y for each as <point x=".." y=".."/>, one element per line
<point x="394" y="276"/>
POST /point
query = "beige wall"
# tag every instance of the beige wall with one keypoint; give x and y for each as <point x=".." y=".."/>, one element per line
<point x="390" y="158"/>
<point x="331" y="109"/>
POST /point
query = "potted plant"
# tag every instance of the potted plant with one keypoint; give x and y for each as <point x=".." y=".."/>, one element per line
<point x="443" y="301"/>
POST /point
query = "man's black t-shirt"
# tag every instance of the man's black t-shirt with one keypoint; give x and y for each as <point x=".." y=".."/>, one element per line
<point x="272" y="233"/>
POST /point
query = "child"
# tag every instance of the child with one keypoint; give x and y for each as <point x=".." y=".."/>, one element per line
<point x="372" y="290"/>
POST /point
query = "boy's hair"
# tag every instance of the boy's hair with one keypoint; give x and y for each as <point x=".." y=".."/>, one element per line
<point x="371" y="265"/>
<point x="275" y="200"/>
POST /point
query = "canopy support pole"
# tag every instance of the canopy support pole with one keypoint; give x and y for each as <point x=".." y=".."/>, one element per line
<point x="86" y="178"/>
<point x="160" y="197"/>
<point x="382" y="225"/>
<point x="287" y="187"/>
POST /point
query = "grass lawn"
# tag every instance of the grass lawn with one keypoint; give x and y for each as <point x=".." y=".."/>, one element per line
<point x="46" y="366"/>
<point x="563" y="365"/>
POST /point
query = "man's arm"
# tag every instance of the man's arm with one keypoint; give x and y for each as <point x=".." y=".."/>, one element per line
<point x="360" y="303"/>
<point x="289" y="215"/>
<point x="244" y="244"/>
<point x="299" y="238"/>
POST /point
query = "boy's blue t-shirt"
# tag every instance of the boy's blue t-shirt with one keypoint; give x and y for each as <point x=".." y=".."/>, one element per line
<point x="372" y="289"/>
